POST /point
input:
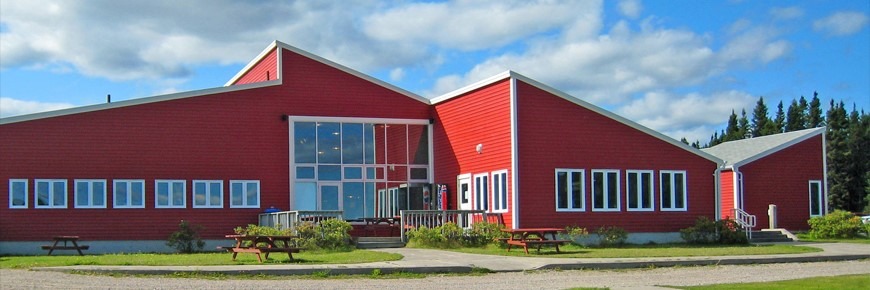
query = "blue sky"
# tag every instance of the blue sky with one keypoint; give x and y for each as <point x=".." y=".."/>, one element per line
<point x="676" y="66"/>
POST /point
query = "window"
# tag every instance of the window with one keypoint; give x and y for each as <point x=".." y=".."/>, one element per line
<point x="170" y="193"/>
<point x="50" y="193"/>
<point x="18" y="193"/>
<point x="245" y="193"/>
<point x="481" y="191"/>
<point x="499" y="191"/>
<point x="90" y="193"/>
<point x="208" y="194"/>
<point x="129" y="193"/>
<point x="570" y="190"/>
<point x="605" y="190"/>
<point x="639" y="190"/>
<point x="817" y="199"/>
<point x="673" y="188"/>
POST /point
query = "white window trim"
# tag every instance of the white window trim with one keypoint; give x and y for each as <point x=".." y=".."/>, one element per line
<point x="245" y="200"/>
<point x="605" y="183"/>
<point x="208" y="184"/>
<point x="26" y="198"/>
<point x="651" y="189"/>
<point x="90" y="183"/>
<point x="685" y="182"/>
<point x="496" y="196"/>
<point x="821" y="198"/>
<point x="570" y="190"/>
<point x="50" y="194"/>
<point x="129" y="182"/>
<point x="476" y="203"/>
<point x="170" y="181"/>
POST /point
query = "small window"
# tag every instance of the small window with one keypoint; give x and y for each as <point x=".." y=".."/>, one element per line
<point x="170" y="193"/>
<point x="673" y="190"/>
<point x="208" y="194"/>
<point x="639" y="190"/>
<point x="129" y="193"/>
<point x="605" y="190"/>
<point x="499" y="191"/>
<point x="570" y="190"/>
<point x="245" y="193"/>
<point x="18" y="193"/>
<point x="90" y="193"/>
<point x="817" y="199"/>
<point x="50" y="193"/>
<point x="481" y="192"/>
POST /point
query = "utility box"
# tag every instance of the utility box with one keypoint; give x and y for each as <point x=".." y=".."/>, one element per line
<point x="771" y="215"/>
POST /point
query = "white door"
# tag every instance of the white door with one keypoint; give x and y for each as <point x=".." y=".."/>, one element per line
<point x="463" y="192"/>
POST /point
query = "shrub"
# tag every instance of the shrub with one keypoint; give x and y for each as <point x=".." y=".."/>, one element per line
<point x="450" y="235"/>
<point x="427" y="238"/>
<point x="611" y="236"/>
<point x="330" y="234"/>
<point x="707" y="231"/>
<point x="186" y="239"/>
<point x="484" y="233"/>
<point x="836" y="225"/>
<point x="575" y="233"/>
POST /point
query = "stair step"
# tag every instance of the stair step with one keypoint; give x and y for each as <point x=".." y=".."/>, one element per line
<point x="379" y="242"/>
<point x="769" y="237"/>
<point x="379" y="239"/>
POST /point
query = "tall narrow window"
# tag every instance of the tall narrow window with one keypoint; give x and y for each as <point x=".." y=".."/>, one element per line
<point x="481" y="192"/>
<point x="817" y="199"/>
<point x="18" y="193"/>
<point x="605" y="190"/>
<point x="639" y="190"/>
<point x="90" y="193"/>
<point x="129" y="193"/>
<point x="50" y="193"/>
<point x="208" y="193"/>
<point x="170" y="193"/>
<point x="673" y="190"/>
<point x="570" y="190"/>
<point x="499" y="191"/>
<point x="245" y="193"/>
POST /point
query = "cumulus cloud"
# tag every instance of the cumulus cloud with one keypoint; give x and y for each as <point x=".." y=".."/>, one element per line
<point x="630" y="8"/>
<point x="841" y="23"/>
<point x="786" y="13"/>
<point x="13" y="107"/>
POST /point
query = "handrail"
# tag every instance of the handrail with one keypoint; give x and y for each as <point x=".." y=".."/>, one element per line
<point x="745" y="220"/>
<point x="289" y="219"/>
<point x="412" y="219"/>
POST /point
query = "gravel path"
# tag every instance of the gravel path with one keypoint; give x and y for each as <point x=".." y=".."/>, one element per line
<point x="633" y="279"/>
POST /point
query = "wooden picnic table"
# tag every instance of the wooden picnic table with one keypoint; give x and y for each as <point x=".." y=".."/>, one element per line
<point x="66" y="241"/>
<point x="262" y="245"/>
<point x="533" y="236"/>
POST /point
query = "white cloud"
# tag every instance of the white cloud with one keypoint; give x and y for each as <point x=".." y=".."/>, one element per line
<point x="841" y="23"/>
<point x="397" y="74"/>
<point x="13" y="107"/>
<point x="753" y="44"/>
<point x="630" y="8"/>
<point x="786" y="13"/>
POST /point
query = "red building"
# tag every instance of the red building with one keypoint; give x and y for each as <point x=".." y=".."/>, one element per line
<point x="786" y="170"/>
<point x="298" y="132"/>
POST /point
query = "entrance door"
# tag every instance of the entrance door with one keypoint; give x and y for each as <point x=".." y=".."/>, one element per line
<point x="463" y="192"/>
<point x="330" y="196"/>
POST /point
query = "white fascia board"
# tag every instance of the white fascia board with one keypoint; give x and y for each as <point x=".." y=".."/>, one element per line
<point x="134" y="102"/>
<point x="811" y="134"/>
<point x="257" y="60"/>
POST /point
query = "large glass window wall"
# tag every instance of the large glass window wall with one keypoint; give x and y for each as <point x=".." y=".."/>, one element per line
<point x="350" y="166"/>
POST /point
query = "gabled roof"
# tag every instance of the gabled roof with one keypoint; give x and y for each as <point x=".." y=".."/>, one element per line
<point x="740" y="152"/>
<point x="579" y="102"/>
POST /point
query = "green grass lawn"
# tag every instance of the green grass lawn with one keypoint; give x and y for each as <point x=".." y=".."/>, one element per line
<point x="836" y="282"/>
<point x="806" y="238"/>
<point x="198" y="259"/>
<point x="639" y="251"/>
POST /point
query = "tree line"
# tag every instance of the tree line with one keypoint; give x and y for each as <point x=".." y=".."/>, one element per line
<point x="847" y="137"/>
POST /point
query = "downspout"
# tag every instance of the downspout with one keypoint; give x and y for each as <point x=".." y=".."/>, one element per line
<point x="515" y="172"/>
<point x="718" y="191"/>
<point x="825" y="171"/>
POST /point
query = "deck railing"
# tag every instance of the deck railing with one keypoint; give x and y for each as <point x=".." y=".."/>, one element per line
<point x="745" y="220"/>
<point x="289" y="219"/>
<point x="412" y="219"/>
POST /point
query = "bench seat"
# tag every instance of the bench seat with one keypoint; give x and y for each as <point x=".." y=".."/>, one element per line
<point x="535" y="242"/>
<point x="82" y="247"/>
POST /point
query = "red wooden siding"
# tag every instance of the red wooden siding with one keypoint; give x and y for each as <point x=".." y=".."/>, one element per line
<point x="478" y="117"/>
<point x="266" y="69"/>
<point x="227" y="136"/>
<point x="555" y="133"/>
<point x="782" y="178"/>
<point x="726" y="189"/>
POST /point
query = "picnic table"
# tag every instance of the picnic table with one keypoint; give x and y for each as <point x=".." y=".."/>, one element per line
<point x="262" y="245"/>
<point x="67" y="240"/>
<point x="533" y="236"/>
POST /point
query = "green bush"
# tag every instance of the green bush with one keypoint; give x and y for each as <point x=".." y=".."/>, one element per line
<point x="576" y="233"/>
<point x="330" y="234"/>
<point x="450" y="235"/>
<point x="484" y="233"/>
<point x="424" y="237"/>
<point x="707" y="231"/>
<point x="186" y="239"/>
<point x="836" y="225"/>
<point x="611" y="236"/>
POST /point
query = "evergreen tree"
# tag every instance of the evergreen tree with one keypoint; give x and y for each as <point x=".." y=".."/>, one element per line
<point x="684" y="141"/>
<point x="779" y="120"/>
<point x="795" y="119"/>
<point x="859" y="147"/>
<point x="731" y="132"/>
<point x="839" y="162"/>
<point x="743" y="129"/>
<point x="760" y="119"/>
<point x="814" y="113"/>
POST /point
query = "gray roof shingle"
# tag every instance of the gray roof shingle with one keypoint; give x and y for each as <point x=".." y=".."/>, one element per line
<point x="739" y="152"/>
